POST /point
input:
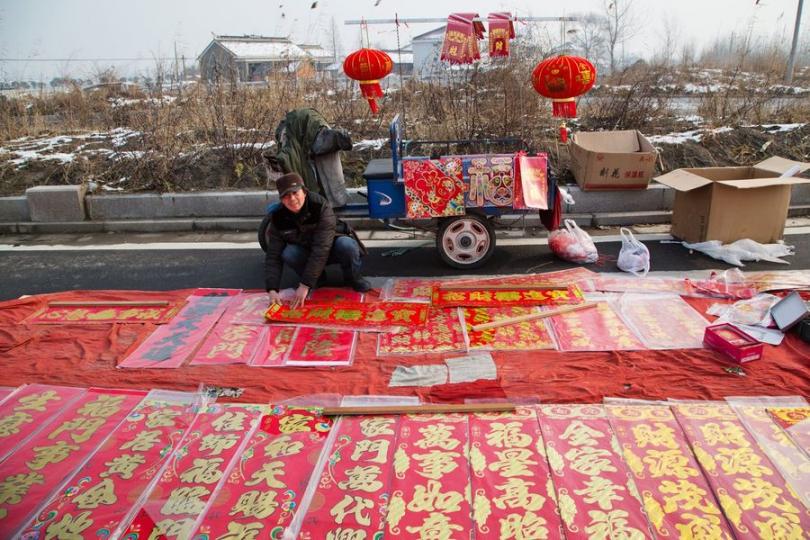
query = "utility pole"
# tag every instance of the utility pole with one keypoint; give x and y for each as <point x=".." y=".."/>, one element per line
<point x="794" y="46"/>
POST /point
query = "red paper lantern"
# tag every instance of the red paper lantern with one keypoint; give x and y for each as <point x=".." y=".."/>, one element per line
<point x="368" y="66"/>
<point x="562" y="79"/>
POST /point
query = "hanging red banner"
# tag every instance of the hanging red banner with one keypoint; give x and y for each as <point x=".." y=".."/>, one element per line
<point x="676" y="495"/>
<point x="429" y="492"/>
<point x="531" y="182"/>
<point x="595" y="494"/>
<point x="523" y="336"/>
<point x="29" y="409"/>
<point x="105" y="488"/>
<point x="461" y="38"/>
<point x="513" y="495"/>
<point x="753" y="495"/>
<point x="481" y="296"/>
<point x="442" y="333"/>
<point x="501" y="30"/>
<point x="261" y="496"/>
<point x="40" y="468"/>
<point x="354" y="487"/>
<point x="197" y="470"/>
<point x="369" y="317"/>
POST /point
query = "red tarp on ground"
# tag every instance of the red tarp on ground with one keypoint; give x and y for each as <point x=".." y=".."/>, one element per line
<point x="86" y="355"/>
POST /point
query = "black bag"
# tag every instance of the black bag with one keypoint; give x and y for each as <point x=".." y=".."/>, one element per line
<point x="331" y="140"/>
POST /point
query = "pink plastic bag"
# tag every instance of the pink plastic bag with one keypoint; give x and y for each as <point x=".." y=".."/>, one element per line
<point x="572" y="244"/>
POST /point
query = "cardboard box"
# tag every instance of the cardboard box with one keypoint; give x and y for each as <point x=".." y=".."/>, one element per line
<point x="732" y="342"/>
<point x="607" y="160"/>
<point x="731" y="203"/>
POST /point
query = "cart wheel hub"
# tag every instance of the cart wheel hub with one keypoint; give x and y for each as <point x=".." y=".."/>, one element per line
<point x="466" y="241"/>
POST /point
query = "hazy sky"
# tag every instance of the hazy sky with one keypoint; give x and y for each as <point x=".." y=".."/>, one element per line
<point x="32" y="30"/>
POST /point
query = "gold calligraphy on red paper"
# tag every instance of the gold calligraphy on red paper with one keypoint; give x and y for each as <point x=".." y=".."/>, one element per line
<point x="524" y="336"/>
<point x="443" y="332"/>
<point x="513" y="496"/>
<point x="596" y="329"/>
<point x="198" y="468"/>
<point x="38" y="469"/>
<point x="520" y="297"/>
<point x="678" y="499"/>
<point x="663" y="321"/>
<point x="355" y="483"/>
<point x="321" y="347"/>
<point x="594" y="493"/>
<point x="104" y="314"/>
<point x="429" y="493"/>
<point x="409" y="289"/>
<point x="29" y="409"/>
<point x="274" y="347"/>
<point x="753" y="496"/>
<point x="371" y="316"/>
<point x="264" y="491"/>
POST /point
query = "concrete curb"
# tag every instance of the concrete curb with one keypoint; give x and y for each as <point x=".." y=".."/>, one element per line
<point x="244" y="210"/>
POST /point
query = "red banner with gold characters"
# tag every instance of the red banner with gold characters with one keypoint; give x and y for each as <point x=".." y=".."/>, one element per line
<point x="274" y="347"/>
<point x="359" y="316"/>
<point x="663" y="321"/>
<point x="171" y="344"/>
<point x="442" y="333"/>
<point x="461" y="38"/>
<point x="678" y="499"/>
<point x="519" y="296"/>
<point x="29" y="409"/>
<point x="39" y="468"/>
<point x="263" y="491"/>
<point x="595" y="495"/>
<point x="100" y="499"/>
<point x="501" y="30"/>
<point x="198" y="469"/>
<point x="531" y="182"/>
<point x="321" y="347"/>
<point x="230" y="344"/>
<point x="622" y="284"/>
<point x="753" y="495"/>
<point x="133" y="313"/>
<point x="408" y="289"/>
<point x="512" y="492"/>
<point x="523" y="336"/>
<point x="788" y="417"/>
<point x="594" y="329"/>
<point x="354" y="487"/>
<point x="431" y="486"/>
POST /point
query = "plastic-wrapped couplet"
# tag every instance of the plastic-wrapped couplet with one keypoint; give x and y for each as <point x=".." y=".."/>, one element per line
<point x="519" y="296"/>
<point x="741" y="474"/>
<point x="676" y="496"/>
<point x="586" y="463"/>
<point x="354" y="315"/>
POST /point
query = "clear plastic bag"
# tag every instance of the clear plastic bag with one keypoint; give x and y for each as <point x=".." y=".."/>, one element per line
<point x="743" y="250"/>
<point x="634" y="256"/>
<point x="572" y="244"/>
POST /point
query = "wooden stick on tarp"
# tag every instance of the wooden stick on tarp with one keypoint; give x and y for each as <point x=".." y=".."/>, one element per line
<point x="531" y="317"/>
<point x="76" y="303"/>
<point x="420" y="409"/>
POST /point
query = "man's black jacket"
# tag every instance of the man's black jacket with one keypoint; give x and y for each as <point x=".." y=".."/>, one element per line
<point x="312" y="228"/>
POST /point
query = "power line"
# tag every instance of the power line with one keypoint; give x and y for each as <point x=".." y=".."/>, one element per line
<point x="84" y="59"/>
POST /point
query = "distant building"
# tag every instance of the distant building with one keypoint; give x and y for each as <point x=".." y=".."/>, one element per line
<point x="427" y="49"/>
<point x="252" y="58"/>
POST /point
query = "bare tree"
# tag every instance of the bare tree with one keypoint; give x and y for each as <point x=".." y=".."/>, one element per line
<point x="669" y="41"/>
<point x="589" y="37"/>
<point x="620" y="26"/>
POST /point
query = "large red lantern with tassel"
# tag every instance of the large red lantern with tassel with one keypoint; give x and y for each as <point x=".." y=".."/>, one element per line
<point x="562" y="79"/>
<point x="368" y="66"/>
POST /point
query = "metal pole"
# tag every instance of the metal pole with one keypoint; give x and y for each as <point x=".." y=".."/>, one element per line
<point x="444" y="20"/>
<point x="794" y="46"/>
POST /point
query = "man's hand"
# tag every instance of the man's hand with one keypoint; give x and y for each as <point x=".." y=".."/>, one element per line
<point x="275" y="298"/>
<point x="300" y="296"/>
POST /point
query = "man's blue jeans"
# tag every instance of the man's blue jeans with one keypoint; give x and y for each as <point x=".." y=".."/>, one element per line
<point x="345" y="252"/>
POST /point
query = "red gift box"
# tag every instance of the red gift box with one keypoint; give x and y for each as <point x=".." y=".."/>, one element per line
<point x="732" y="342"/>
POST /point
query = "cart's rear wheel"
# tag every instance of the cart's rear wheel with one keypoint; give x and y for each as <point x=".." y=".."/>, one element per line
<point x="465" y="241"/>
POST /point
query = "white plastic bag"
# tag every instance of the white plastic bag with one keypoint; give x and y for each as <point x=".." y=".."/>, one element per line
<point x="743" y="250"/>
<point x="634" y="256"/>
<point x="572" y="244"/>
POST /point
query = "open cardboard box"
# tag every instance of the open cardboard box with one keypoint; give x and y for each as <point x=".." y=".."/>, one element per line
<point x="610" y="160"/>
<point x="731" y="203"/>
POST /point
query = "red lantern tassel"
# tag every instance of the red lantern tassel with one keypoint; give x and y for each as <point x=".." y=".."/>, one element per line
<point x="371" y="90"/>
<point x="564" y="108"/>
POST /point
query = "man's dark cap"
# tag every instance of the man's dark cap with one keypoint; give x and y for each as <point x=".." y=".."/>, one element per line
<point x="289" y="183"/>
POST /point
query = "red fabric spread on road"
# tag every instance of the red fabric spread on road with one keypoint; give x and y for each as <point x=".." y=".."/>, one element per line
<point x="86" y="355"/>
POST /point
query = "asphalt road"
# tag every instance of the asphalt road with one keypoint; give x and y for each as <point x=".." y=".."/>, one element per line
<point x="34" y="272"/>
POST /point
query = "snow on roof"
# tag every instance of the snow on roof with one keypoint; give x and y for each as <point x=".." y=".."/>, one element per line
<point x="436" y="33"/>
<point x="316" y="51"/>
<point x="260" y="48"/>
<point x="403" y="58"/>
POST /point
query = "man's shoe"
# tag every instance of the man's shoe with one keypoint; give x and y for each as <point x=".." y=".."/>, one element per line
<point x="361" y="284"/>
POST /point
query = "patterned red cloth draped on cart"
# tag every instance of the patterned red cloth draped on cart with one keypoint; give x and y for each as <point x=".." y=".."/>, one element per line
<point x="501" y="30"/>
<point x="461" y="38"/>
<point x="531" y="181"/>
<point x="433" y="188"/>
